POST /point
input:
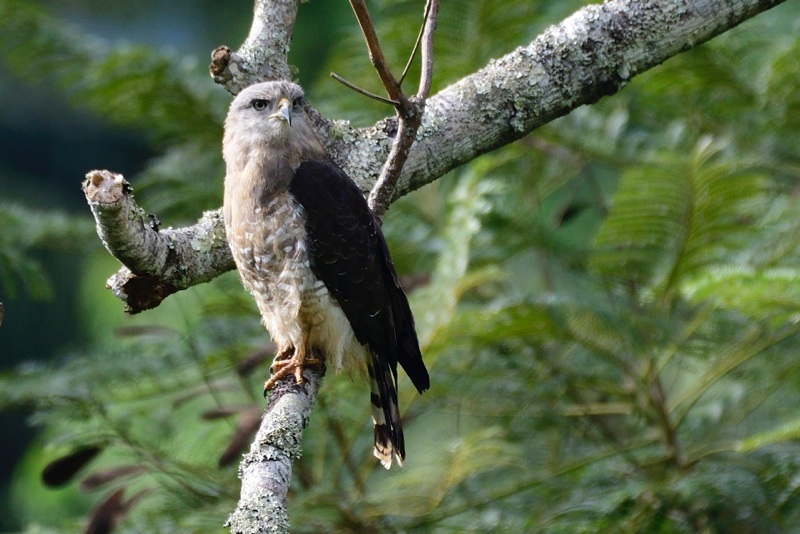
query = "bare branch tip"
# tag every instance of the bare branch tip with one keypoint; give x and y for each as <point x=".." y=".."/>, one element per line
<point x="105" y="187"/>
<point x="417" y="42"/>
<point x="426" y="32"/>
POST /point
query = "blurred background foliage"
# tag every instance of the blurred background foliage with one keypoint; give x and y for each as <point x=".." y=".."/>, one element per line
<point x="609" y="307"/>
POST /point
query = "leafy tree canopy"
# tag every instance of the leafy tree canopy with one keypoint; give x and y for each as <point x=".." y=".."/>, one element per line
<point x="608" y="306"/>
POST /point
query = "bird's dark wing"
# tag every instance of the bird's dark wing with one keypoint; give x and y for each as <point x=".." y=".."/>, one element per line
<point x="349" y="254"/>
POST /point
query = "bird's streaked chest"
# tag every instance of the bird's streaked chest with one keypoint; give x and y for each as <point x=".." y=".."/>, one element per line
<point x="268" y="243"/>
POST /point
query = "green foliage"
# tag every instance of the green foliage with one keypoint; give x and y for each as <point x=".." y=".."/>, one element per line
<point x="701" y="218"/>
<point x="141" y="398"/>
<point x="608" y="307"/>
<point x="25" y="232"/>
<point x="164" y="96"/>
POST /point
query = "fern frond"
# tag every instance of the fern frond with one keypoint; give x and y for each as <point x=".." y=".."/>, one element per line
<point x="668" y="221"/>
<point x="771" y="294"/>
<point x="460" y="457"/>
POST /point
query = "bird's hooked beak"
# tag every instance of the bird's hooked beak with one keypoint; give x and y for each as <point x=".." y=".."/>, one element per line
<point x="284" y="112"/>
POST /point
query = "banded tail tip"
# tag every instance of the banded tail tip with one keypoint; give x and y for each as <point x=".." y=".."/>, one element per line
<point x="383" y="449"/>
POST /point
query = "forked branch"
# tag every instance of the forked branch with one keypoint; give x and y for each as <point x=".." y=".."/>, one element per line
<point x="409" y="110"/>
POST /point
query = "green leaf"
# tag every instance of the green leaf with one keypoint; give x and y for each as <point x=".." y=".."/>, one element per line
<point x="770" y="294"/>
<point x="671" y="219"/>
<point x="788" y="431"/>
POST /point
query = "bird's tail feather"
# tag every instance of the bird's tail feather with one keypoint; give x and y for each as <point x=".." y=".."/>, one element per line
<point x="389" y="441"/>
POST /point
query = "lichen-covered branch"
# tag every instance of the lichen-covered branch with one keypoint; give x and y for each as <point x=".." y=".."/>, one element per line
<point x="266" y="470"/>
<point x="591" y="54"/>
<point x="157" y="262"/>
<point x="263" y="56"/>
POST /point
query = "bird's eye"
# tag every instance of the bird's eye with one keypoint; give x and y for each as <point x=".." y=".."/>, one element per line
<point x="297" y="102"/>
<point x="259" y="104"/>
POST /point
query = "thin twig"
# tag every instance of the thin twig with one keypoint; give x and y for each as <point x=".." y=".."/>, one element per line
<point x="363" y="91"/>
<point x="375" y="53"/>
<point x="381" y="194"/>
<point x="658" y="401"/>
<point x="426" y="75"/>
<point x="416" y="43"/>
<point x="410" y="117"/>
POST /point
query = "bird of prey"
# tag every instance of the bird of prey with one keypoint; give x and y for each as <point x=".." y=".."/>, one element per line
<point x="311" y="252"/>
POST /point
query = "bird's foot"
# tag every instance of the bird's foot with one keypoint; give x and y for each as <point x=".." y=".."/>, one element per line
<point x="284" y="365"/>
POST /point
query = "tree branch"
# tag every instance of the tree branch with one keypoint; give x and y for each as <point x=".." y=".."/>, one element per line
<point x="263" y="56"/>
<point x="409" y="114"/>
<point x="426" y="38"/>
<point x="360" y="90"/>
<point x="266" y="470"/>
<point x="591" y="54"/>
<point x="157" y="262"/>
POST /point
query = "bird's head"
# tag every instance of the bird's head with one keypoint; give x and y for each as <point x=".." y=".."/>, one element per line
<point x="269" y="119"/>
